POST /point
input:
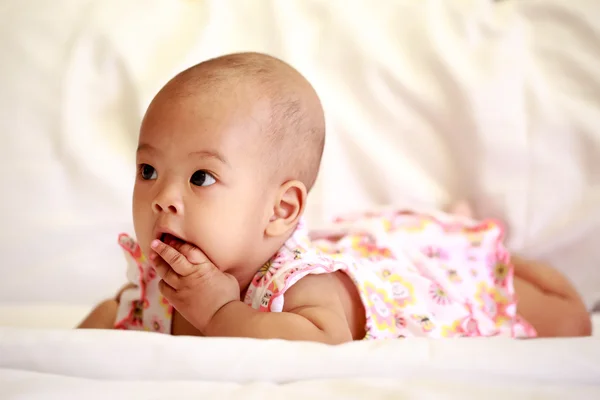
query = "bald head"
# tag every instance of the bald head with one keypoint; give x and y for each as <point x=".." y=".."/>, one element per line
<point x="294" y="130"/>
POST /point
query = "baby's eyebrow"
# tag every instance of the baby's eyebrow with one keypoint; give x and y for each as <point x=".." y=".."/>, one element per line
<point x="209" y="154"/>
<point x="201" y="153"/>
<point x="145" y="147"/>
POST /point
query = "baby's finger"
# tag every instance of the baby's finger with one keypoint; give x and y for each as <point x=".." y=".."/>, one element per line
<point x="160" y="266"/>
<point x="191" y="252"/>
<point x="175" y="259"/>
<point x="166" y="273"/>
<point x="166" y="290"/>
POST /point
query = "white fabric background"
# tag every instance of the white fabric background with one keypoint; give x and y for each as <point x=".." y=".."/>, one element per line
<point x="426" y="102"/>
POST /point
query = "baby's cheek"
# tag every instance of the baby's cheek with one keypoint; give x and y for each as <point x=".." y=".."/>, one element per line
<point x="232" y="257"/>
<point x="217" y="247"/>
<point x="142" y="230"/>
<point x="143" y="245"/>
<point x="146" y="251"/>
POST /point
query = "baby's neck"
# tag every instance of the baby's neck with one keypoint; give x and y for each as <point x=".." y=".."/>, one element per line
<point x="272" y="249"/>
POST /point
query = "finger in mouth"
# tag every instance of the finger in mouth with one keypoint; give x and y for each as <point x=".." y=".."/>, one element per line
<point x="171" y="240"/>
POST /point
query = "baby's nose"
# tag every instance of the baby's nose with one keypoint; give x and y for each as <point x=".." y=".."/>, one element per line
<point x="171" y="208"/>
<point x="167" y="201"/>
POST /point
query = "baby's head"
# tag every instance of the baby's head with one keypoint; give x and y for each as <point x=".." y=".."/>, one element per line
<point x="228" y="151"/>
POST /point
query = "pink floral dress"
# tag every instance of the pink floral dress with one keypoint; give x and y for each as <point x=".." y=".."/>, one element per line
<point x="142" y="307"/>
<point x="418" y="274"/>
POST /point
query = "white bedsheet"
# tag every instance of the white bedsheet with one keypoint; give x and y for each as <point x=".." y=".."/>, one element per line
<point x="31" y="385"/>
<point x="108" y="364"/>
<point x="37" y="362"/>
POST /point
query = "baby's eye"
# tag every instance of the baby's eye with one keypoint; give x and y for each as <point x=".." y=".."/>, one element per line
<point x="202" y="178"/>
<point x="148" y="172"/>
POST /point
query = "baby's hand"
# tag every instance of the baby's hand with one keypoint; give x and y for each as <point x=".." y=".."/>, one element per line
<point x="191" y="283"/>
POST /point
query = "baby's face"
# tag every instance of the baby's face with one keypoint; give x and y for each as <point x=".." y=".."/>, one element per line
<point x="200" y="178"/>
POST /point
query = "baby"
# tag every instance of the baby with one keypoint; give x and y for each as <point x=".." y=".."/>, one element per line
<point x="228" y="152"/>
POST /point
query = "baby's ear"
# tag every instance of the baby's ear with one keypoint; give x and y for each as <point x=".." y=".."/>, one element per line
<point x="288" y="208"/>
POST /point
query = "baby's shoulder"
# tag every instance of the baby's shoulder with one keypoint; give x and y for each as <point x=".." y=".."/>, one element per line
<point x="295" y="274"/>
<point x="313" y="290"/>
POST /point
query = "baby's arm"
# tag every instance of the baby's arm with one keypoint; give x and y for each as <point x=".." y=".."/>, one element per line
<point x="312" y="312"/>
<point x="210" y="300"/>
<point x="103" y="316"/>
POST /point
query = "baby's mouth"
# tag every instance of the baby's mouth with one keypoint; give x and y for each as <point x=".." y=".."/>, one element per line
<point x="171" y="239"/>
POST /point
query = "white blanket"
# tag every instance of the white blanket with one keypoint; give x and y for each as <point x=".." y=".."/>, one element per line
<point x="108" y="364"/>
<point x="63" y="364"/>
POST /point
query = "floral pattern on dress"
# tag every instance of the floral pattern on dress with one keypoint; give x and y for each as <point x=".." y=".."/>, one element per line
<point x="417" y="274"/>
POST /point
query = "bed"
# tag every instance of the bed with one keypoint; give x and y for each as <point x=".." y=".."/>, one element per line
<point x="427" y="102"/>
<point x="47" y="360"/>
